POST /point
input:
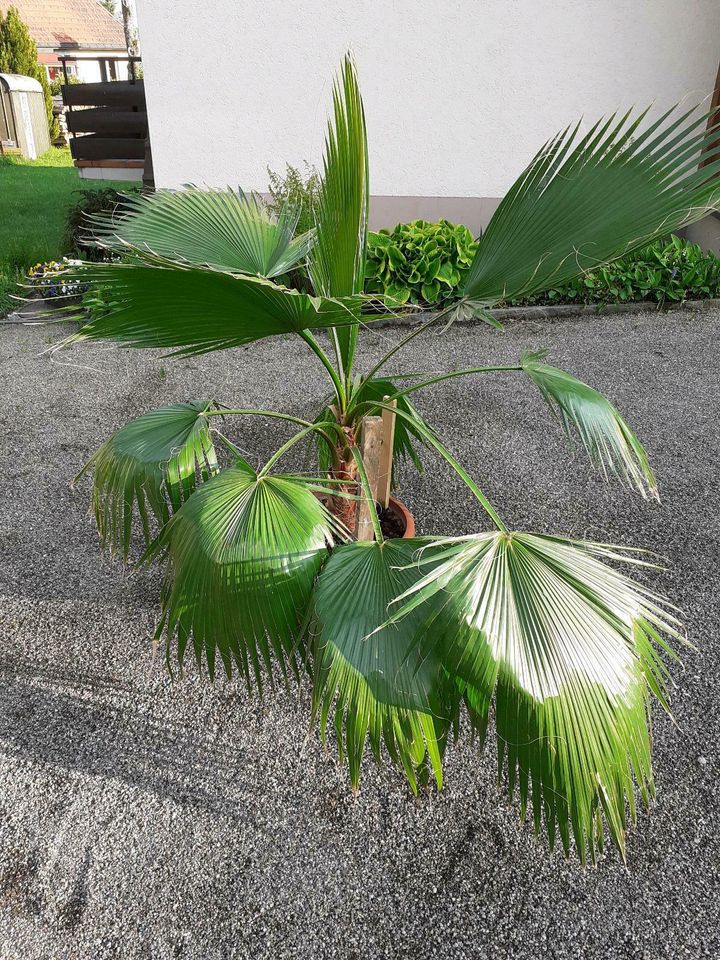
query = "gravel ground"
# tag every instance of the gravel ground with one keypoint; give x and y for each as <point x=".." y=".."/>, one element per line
<point x="144" y="818"/>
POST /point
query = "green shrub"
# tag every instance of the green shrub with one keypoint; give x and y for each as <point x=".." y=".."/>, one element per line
<point x="670" y="269"/>
<point x="419" y="262"/>
<point x="76" y="223"/>
<point x="301" y="192"/>
<point x="58" y="83"/>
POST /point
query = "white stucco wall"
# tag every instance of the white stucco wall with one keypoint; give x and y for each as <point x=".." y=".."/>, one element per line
<point x="458" y="95"/>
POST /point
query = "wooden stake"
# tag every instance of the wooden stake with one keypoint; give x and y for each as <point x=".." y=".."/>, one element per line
<point x="371" y="445"/>
<point x="386" y="458"/>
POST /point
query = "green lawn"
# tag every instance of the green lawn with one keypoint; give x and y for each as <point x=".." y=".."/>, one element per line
<point x="34" y="198"/>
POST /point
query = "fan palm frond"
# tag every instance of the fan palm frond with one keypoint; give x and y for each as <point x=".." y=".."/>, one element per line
<point x="568" y="648"/>
<point x="588" y="199"/>
<point x="337" y="260"/>
<point x="369" y="678"/>
<point x="152" y="462"/>
<point x="606" y="437"/>
<point x="196" y="310"/>
<point x="243" y="552"/>
<point x="221" y="229"/>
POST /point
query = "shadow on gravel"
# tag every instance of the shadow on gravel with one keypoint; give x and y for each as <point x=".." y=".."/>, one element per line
<point x="70" y="721"/>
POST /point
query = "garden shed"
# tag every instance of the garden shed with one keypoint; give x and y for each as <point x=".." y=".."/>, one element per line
<point x="23" y="121"/>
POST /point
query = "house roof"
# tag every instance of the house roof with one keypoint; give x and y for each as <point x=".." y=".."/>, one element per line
<point x="69" y="23"/>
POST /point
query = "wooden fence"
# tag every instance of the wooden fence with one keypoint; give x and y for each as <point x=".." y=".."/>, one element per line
<point x="108" y="123"/>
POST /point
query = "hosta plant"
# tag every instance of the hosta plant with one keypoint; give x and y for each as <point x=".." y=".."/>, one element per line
<point x="669" y="269"/>
<point x="418" y="262"/>
<point x="407" y="642"/>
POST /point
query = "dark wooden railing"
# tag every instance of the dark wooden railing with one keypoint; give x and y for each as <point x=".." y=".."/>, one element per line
<point x="108" y="123"/>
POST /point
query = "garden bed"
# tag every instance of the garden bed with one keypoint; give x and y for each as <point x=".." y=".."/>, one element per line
<point x="141" y="817"/>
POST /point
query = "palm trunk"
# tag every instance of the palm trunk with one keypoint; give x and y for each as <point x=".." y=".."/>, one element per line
<point x="341" y="507"/>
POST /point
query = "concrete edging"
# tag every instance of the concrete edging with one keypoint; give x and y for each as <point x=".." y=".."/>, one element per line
<point x="562" y="311"/>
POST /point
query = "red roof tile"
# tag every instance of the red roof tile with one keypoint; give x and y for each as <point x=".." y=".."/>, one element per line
<point x="53" y="23"/>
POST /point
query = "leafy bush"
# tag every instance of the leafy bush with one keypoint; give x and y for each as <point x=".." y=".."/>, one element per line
<point x="419" y="262"/>
<point x="103" y="201"/>
<point x="670" y="269"/>
<point x="58" y="83"/>
<point x="297" y="190"/>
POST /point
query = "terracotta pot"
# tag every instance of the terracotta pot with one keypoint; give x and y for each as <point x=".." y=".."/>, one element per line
<point x="400" y="508"/>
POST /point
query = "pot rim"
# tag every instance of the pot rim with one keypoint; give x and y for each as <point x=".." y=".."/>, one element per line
<point x="406" y="515"/>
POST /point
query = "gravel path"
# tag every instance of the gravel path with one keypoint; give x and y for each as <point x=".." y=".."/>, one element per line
<point x="141" y="818"/>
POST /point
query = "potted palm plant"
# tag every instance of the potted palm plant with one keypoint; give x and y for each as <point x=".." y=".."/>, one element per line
<point x="407" y="640"/>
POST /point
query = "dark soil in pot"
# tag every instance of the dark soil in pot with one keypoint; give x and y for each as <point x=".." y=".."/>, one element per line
<point x="396" y="521"/>
<point x="392" y="522"/>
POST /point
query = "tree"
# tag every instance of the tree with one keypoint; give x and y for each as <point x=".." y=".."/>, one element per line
<point x="18" y="54"/>
<point x="131" y="35"/>
<point x="267" y="574"/>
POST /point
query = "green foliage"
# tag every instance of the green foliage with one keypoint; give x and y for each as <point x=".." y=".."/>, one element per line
<point x="18" y="54"/>
<point x="153" y="306"/>
<point x="607" y="439"/>
<point x="374" y="678"/>
<point x="419" y="262"/>
<point x="337" y="259"/>
<point x="58" y="83"/>
<point x="587" y="199"/>
<point x="672" y="269"/>
<point x="96" y="302"/>
<point x="564" y="645"/>
<point x="244" y="552"/>
<point x="224" y="229"/>
<point x="296" y="191"/>
<point x="90" y="203"/>
<point x="669" y="269"/>
<point x="151" y="462"/>
<point x="401" y="638"/>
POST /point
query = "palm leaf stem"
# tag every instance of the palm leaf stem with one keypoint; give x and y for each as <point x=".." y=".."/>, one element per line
<point x="327" y="363"/>
<point x="411" y="336"/>
<point x="431" y="438"/>
<point x="438" y="379"/>
<point x="344" y="374"/>
<point x="312" y="428"/>
<point x="318" y="427"/>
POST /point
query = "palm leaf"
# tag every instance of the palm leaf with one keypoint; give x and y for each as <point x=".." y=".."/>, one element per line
<point x="586" y="200"/>
<point x="377" y="688"/>
<point x="608" y="440"/>
<point x="152" y="462"/>
<point x="243" y="554"/>
<point x="337" y="260"/>
<point x="221" y="229"/>
<point x="168" y="306"/>
<point x="568" y="648"/>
